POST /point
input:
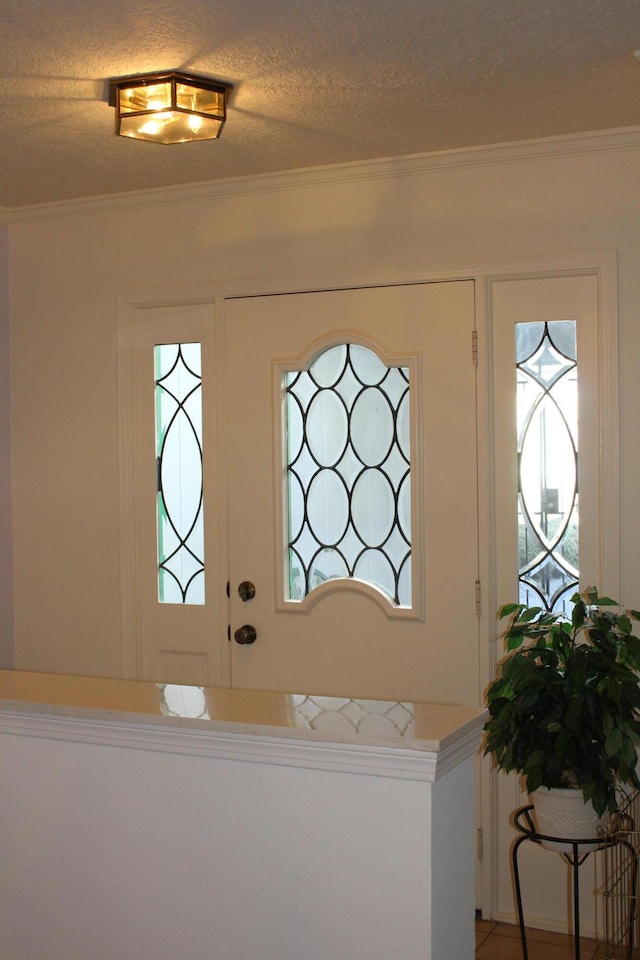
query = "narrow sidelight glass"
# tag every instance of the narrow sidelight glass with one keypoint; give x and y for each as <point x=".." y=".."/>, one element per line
<point x="178" y="406"/>
<point x="547" y="414"/>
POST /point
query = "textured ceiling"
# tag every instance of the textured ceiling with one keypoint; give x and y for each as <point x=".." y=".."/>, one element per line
<point x="315" y="82"/>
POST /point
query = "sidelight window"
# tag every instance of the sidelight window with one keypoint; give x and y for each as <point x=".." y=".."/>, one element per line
<point x="178" y="409"/>
<point x="547" y="412"/>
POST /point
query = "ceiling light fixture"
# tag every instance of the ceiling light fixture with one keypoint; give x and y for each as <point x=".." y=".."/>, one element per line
<point x="169" y="107"/>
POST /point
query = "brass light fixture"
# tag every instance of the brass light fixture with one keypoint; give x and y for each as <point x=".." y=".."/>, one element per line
<point x="168" y="107"/>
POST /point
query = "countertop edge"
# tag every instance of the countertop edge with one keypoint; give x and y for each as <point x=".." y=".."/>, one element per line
<point x="408" y="758"/>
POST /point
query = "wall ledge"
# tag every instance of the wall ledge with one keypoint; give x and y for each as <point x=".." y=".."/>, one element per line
<point x="414" y="760"/>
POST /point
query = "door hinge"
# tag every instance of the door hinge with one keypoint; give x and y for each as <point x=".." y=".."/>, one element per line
<point x="474" y="347"/>
<point x="479" y="844"/>
<point x="478" y="598"/>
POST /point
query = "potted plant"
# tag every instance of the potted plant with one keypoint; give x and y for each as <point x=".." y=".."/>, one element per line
<point x="564" y="708"/>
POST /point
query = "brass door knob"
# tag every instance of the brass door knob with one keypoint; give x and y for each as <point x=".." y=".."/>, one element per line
<point x="246" y="634"/>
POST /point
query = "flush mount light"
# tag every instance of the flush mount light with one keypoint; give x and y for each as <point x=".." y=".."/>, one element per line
<point x="168" y="107"/>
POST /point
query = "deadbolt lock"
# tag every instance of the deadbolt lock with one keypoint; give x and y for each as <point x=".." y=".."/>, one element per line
<point x="246" y="590"/>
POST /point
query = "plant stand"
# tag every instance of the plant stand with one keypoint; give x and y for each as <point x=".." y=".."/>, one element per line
<point x="524" y="823"/>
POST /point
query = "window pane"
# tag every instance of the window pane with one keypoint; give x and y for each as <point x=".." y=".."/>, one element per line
<point x="348" y="473"/>
<point x="547" y="405"/>
<point x="178" y="404"/>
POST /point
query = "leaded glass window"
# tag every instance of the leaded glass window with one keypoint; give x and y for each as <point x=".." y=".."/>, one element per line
<point x="547" y="412"/>
<point x="348" y="473"/>
<point x="178" y="405"/>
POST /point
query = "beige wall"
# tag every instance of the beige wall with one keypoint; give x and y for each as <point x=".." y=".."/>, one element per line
<point x="6" y="567"/>
<point x="398" y="219"/>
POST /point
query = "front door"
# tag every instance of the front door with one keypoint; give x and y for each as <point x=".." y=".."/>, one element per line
<point x="350" y="512"/>
<point x="375" y="596"/>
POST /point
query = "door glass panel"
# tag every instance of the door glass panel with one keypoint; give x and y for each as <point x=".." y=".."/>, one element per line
<point x="178" y="406"/>
<point x="348" y="473"/>
<point x="547" y="405"/>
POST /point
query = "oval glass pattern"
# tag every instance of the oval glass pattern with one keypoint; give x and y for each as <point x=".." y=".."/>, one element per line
<point x="404" y="508"/>
<point x="327" y="428"/>
<point x="374" y="567"/>
<point x="540" y="475"/>
<point x="327" y="507"/>
<point x="372" y="431"/>
<point x="329" y="366"/>
<point x="296" y="506"/>
<point x="295" y="431"/>
<point x="547" y="418"/>
<point x="404" y="582"/>
<point x="367" y="367"/>
<point x="180" y="526"/>
<point x="403" y="427"/>
<point x="327" y="565"/>
<point x="348" y="472"/>
<point x="373" y="507"/>
<point x="181" y="472"/>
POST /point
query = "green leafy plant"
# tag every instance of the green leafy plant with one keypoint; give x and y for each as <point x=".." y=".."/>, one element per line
<point x="564" y="709"/>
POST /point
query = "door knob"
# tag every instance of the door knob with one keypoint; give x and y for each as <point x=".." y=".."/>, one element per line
<point x="246" y="590"/>
<point x="246" y="634"/>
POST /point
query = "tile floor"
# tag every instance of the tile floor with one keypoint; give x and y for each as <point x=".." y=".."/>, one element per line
<point x="501" y="941"/>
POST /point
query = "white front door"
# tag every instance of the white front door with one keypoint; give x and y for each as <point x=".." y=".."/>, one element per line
<point x="347" y="636"/>
<point x="377" y="622"/>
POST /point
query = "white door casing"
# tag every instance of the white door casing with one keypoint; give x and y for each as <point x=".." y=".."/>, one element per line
<point x="512" y="300"/>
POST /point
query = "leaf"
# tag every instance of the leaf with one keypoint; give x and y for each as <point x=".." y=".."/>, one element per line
<point x="578" y="614"/>
<point x="624" y="623"/>
<point x="528" y="614"/>
<point x="628" y="753"/>
<point x="614" y="742"/>
<point x="514" y="641"/>
<point x="508" y="609"/>
<point x="567" y="696"/>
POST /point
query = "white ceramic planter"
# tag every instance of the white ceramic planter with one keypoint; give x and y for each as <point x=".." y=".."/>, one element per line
<point x="562" y="813"/>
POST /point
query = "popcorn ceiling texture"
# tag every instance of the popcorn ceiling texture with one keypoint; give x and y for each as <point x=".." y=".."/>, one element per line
<point x="315" y="83"/>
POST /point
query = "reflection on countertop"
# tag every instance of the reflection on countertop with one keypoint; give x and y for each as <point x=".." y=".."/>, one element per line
<point x="304" y="716"/>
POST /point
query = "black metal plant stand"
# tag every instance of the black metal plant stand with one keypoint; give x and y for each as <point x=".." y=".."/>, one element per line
<point x="524" y="823"/>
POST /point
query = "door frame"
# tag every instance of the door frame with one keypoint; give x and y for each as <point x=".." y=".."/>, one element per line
<point x="602" y="265"/>
<point x="606" y="568"/>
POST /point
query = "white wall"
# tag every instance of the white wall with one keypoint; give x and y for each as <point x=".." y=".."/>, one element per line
<point x="394" y="219"/>
<point x="125" y="839"/>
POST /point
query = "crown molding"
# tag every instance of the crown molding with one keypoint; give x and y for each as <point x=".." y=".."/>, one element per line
<point x="549" y="148"/>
